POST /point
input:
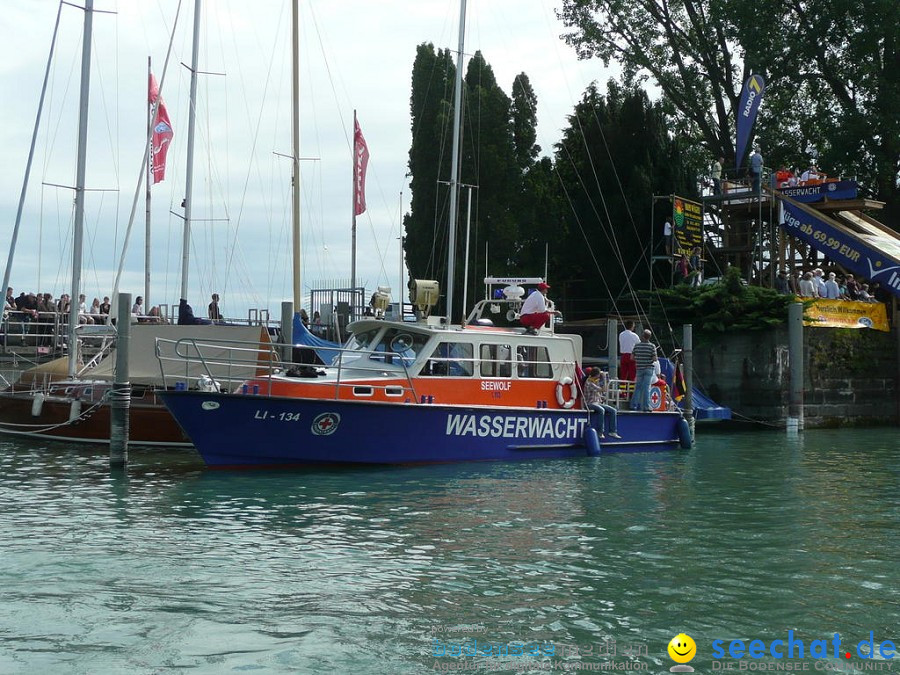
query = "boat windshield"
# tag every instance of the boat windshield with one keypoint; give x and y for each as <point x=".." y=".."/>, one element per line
<point x="362" y="341"/>
<point x="407" y="344"/>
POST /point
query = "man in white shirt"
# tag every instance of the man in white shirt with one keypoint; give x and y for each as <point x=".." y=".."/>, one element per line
<point x="756" y="167"/>
<point x="627" y="340"/>
<point x="535" y="312"/>
<point x="832" y="290"/>
<point x="819" y="282"/>
<point x="716" y="175"/>
<point x="667" y="234"/>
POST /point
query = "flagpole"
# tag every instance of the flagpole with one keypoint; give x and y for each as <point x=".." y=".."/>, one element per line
<point x="147" y="199"/>
<point x="353" y="198"/>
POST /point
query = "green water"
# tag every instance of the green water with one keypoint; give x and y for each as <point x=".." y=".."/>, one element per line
<point x="172" y="567"/>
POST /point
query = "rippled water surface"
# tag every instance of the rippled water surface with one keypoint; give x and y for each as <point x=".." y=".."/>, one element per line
<point x="173" y="567"/>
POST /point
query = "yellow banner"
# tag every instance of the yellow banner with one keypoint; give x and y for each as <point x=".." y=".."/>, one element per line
<point x="846" y="314"/>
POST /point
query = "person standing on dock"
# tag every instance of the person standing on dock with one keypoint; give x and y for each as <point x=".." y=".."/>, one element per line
<point x="627" y="340"/>
<point x="756" y="167"/>
<point x="644" y="360"/>
<point x="832" y="290"/>
<point x="667" y="235"/>
<point x="716" y="175"/>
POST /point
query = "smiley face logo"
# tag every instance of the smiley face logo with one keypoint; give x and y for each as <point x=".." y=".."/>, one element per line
<point x="682" y="649"/>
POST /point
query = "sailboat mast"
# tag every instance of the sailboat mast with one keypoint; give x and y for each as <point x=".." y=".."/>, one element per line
<point x="189" y="178"/>
<point x="454" y="164"/>
<point x="295" y="139"/>
<point x="80" y="170"/>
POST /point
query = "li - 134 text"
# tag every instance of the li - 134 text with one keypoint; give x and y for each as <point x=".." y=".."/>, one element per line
<point x="280" y="417"/>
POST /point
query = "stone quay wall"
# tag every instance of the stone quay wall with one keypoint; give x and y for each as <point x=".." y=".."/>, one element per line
<point x="850" y="375"/>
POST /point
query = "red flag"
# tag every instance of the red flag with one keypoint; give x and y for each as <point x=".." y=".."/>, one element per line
<point x="162" y="135"/>
<point x="360" y="162"/>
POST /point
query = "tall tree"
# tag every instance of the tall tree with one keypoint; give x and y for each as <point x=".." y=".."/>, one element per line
<point x="832" y="69"/>
<point x="614" y="156"/>
<point x="487" y="161"/>
<point x="429" y="161"/>
<point x="524" y="121"/>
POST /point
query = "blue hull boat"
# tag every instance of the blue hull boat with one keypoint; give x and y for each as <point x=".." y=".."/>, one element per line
<point x="246" y="430"/>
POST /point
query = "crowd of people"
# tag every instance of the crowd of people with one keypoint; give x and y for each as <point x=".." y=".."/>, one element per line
<point x="817" y="284"/>
<point x="786" y="177"/>
<point x="44" y="308"/>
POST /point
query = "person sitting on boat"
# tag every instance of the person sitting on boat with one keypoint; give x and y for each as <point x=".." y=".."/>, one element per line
<point x="535" y="311"/>
<point x="595" y="400"/>
<point x="155" y="315"/>
<point x="186" y="315"/>
<point x="138" y="308"/>
<point x="83" y="316"/>
<point x="214" y="313"/>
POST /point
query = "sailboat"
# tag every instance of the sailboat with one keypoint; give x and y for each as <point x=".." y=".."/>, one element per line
<point x="64" y="400"/>
<point x="429" y="391"/>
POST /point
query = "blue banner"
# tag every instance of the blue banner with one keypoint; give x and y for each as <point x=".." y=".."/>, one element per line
<point x="845" y="189"/>
<point x="842" y="247"/>
<point x="746" y="114"/>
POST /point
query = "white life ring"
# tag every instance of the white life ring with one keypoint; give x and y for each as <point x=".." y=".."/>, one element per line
<point x="560" y="395"/>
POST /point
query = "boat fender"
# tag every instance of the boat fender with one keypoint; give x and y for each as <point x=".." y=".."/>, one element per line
<point x="684" y="434"/>
<point x="560" y="392"/>
<point x="592" y="442"/>
<point x="37" y="405"/>
<point x="75" y="410"/>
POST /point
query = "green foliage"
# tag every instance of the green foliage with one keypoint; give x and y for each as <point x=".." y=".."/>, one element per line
<point x="832" y="72"/>
<point x="715" y="308"/>
<point x="488" y="161"/>
<point x="430" y="111"/>
<point x="614" y="156"/>
<point x="589" y="206"/>
<point x="524" y="120"/>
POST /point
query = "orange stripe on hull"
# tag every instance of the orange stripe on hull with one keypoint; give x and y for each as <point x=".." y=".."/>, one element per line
<point x="444" y="390"/>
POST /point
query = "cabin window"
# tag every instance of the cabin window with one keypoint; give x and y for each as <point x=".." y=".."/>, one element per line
<point x="363" y="340"/>
<point x="450" y="359"/>
<point x="496" y="361"/>
<point x="400" y="342"/>
<point x="362" y="391"/>
<point x="533" y="362"/>
<point x="393" y="391"/>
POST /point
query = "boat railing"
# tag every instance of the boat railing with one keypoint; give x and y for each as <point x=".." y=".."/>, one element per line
<point x="619" y="393"/>
<point x="28" y="332"/>
<point x="227" y="365"/>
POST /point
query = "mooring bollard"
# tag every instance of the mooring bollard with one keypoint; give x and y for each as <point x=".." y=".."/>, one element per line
<point x="795" y="354"/>
<point x="120" y="394"/>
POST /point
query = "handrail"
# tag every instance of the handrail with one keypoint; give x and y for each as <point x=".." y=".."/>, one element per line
<point x="261" y="356"/>
<point x="237" y="361"/>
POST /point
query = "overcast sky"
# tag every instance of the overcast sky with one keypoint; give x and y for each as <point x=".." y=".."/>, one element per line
<point x="356" y="54"/>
